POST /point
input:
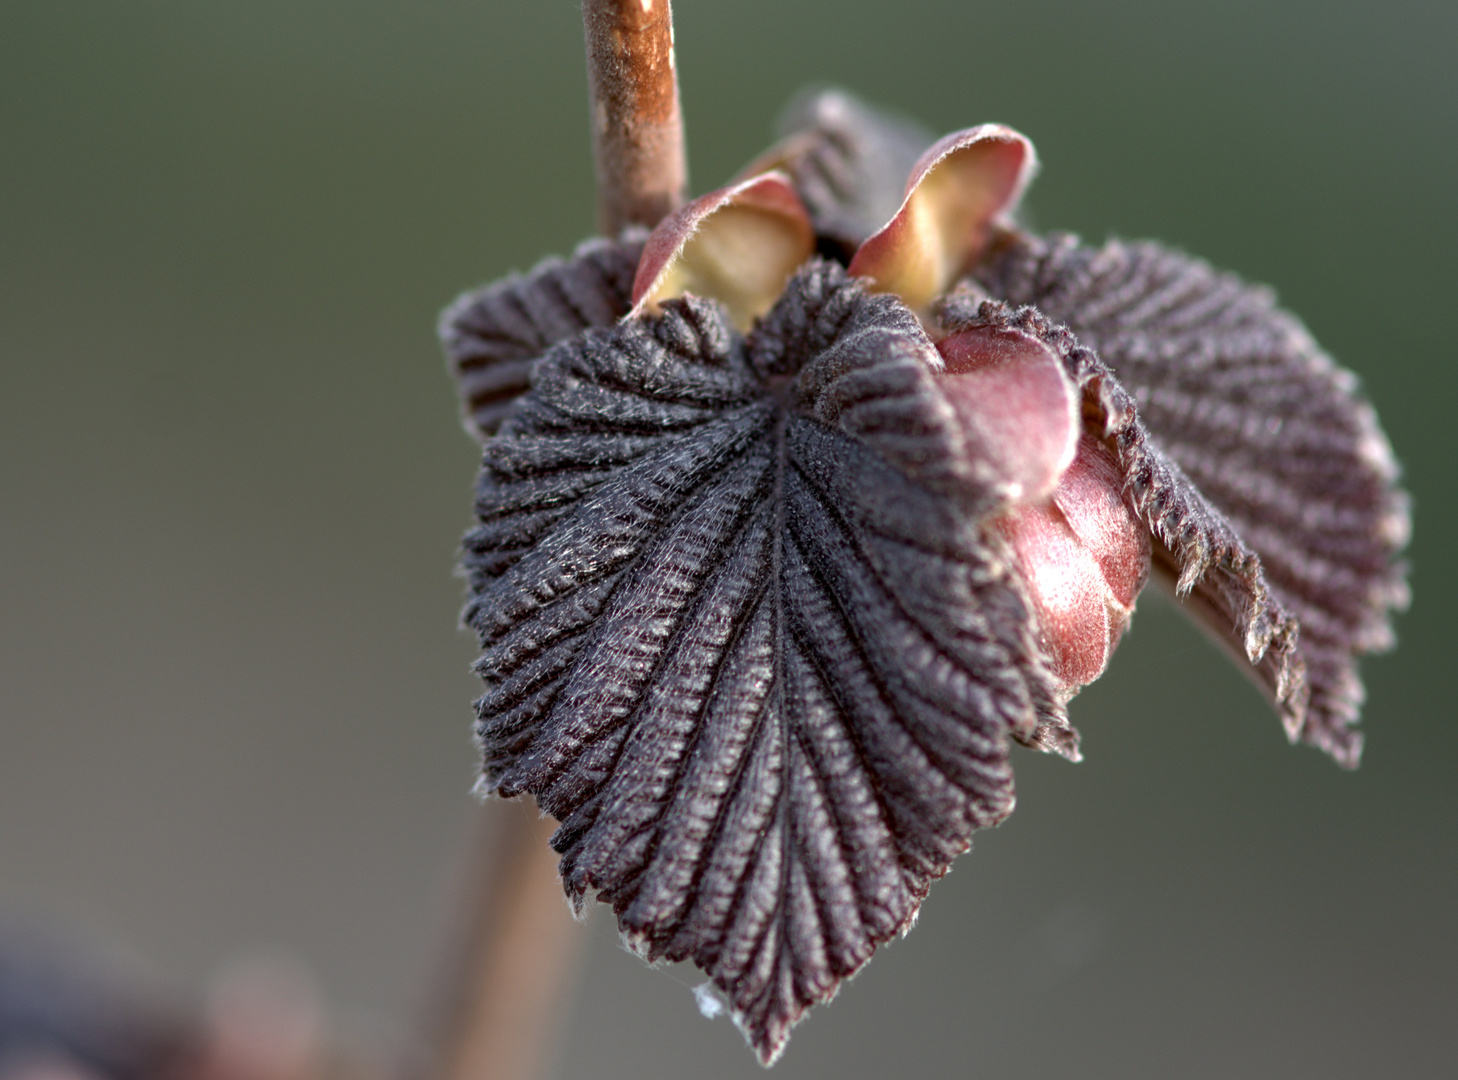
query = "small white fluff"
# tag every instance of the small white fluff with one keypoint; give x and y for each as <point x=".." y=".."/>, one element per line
<point x="708" y="999"/>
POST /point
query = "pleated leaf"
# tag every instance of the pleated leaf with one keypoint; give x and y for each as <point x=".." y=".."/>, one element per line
<point x="745" y="635"/>
<point x="493" y="336"/>
<point x="1247" y="418"/>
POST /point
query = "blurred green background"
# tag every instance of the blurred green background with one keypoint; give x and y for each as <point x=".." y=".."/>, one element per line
<point x="235" y="705"/>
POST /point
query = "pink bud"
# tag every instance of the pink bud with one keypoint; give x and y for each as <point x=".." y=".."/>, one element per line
<point x="1081" y="551"/>
<point x="1017" y="408"/>
<point x="1090" y="500"/>
<point x="1084" y="556"/>
<point x="1067" y="591"/>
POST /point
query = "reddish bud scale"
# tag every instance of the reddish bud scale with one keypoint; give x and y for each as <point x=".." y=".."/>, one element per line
<point x="1081" y="552"/>
<point x="1016" y="407"/>
<point x="1083" y="556"/>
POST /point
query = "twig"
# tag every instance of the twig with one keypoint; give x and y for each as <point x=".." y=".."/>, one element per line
<point x="637" y="128"/>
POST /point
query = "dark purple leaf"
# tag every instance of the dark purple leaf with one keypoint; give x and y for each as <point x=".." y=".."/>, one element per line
<point x="1267" y="476"/>
<point x="747" y="636"/>
<point x="494" y="335"/>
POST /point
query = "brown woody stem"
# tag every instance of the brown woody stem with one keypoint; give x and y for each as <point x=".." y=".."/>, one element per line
<point x="637" y="128"/>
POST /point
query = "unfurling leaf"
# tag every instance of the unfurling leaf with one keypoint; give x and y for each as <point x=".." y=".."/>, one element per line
<point x="739" y="245"/>
<point x="1271" y="434"/>
<point x="960" y="188"/>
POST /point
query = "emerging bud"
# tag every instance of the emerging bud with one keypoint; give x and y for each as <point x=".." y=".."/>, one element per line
<point x="1084" y="556"/>
<point x="1017" y="409"/>
<point x="770" y="571"/>
<point x="1082" y="553"/>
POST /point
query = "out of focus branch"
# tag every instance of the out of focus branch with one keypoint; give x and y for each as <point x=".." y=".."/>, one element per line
<point x="510" y="960"/>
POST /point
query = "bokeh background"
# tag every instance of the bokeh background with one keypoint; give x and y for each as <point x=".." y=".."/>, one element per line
<point x="234" y="704"/>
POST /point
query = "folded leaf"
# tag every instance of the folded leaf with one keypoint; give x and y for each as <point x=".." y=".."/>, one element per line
<point x="1245" y="407"/>
<point x="738" y="245"/>
<point x="963" y="186"/>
